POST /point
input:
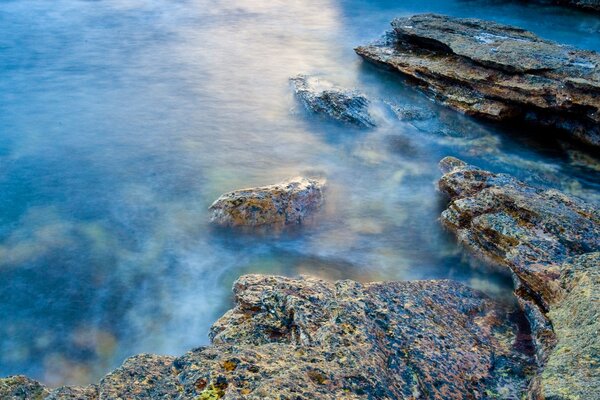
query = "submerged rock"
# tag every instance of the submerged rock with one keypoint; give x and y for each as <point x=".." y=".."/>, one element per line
<point x="496" y="71"/>
<point x="312" y="339"/>
<point x="288" y="202"/>
<point x="322" y="97"/>
<point x="551" y="243"/>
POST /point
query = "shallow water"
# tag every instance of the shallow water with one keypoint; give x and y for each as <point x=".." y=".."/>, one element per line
<point x="122" y="121"/>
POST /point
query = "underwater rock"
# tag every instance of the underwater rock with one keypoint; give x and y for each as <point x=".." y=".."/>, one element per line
<point x="496" y="71"/>
<point x="322" y="97"/>
<point x="551" y="243"/>
<point x="288" y="202"/>
<point x="406" y="112"/>
<point x="308" y="338"/>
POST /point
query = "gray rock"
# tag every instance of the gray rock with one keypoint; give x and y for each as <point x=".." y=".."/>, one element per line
<point x="322" y="97"/>
<point x="551" y="243"/>
<point x="288" y="202"/>
<point x="496" y="71"/>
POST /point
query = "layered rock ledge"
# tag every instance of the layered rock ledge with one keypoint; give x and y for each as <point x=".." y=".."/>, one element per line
<point x="551" y="243"/>
<point x="496" y="71"/>
<point x="288" y="202"/>
<point x="312" y="339"/>
<point x="323" y="97"/>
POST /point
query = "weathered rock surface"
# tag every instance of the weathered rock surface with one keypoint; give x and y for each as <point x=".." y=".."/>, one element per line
<point x="551" y="242"/>
<point x="311" y="339"/>
<point x="496" y="71"/>
<point x="324" y="98"/>
<point x="593" y="5"/>
<point x="288" y="202"/>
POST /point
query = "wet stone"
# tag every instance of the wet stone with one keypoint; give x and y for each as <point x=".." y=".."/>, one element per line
<point x="322" y="97"/>
<point x="496" y="71"/>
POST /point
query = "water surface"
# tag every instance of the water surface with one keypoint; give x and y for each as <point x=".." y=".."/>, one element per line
<point x="122" y="121"/>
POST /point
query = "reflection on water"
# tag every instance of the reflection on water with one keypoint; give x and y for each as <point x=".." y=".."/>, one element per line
<point x="123" y="120"/>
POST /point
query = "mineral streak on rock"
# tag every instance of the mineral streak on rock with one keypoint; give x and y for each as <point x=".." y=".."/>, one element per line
<point x="288" y="202"/>
<point x="322" y="97"/>
<point x="551" y="242"/>
<point x="312" y="339"/>
<point x="496" y="71"/>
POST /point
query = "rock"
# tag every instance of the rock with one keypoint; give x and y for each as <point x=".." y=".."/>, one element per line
<point x="21" y="388"/>
<point x="496" y="71"/>
<point x="308" y="338"/>
<point x="551" y="243"/>
<point x="591" y="5"/>
<point x="410" y="113"/>
<point x="322" y="97"/>
<point x="288" y="202"/>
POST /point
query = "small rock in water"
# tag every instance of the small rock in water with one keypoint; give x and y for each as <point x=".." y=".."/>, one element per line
<point x="323" y="97"/>
<point x="288" y="202"/>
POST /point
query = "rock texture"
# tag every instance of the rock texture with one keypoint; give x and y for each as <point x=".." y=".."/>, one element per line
<point x="324" y="98"/>
<point x="288" y="202"/>
<point x="551" y="242"/>
<point x="592" y="5"/>
<point x="311" y="339"/>
<point x="496" y="71"/>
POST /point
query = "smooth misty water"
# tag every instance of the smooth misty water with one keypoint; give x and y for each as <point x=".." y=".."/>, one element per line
<point x="122" y="121"/>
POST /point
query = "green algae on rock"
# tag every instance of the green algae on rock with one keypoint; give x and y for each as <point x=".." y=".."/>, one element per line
<point x="551" y="243"/>
<point x="496" y="71"/>
<point x="307" y="338"/>
<point x="288" y="202"/>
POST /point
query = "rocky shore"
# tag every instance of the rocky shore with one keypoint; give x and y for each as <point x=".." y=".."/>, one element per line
<point x="551" y="243"/>
<point x="496" y="71"/>
<point x="307" y="338"/>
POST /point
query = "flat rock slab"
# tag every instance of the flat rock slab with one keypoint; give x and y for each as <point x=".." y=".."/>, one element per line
<point x="312" y="339"/>
<point x="496" y="71"/>
<point x="288" y="202"/>
<point x="551" y="242"/>
<point x="323" y="97"/>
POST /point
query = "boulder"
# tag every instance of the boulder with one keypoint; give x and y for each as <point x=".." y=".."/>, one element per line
<point x="322" y="97"/>
<point x="288" y="202"/>
<point x="551" y="243"/>
<point x="307" y="338"/>
<point x="496" y="71"/>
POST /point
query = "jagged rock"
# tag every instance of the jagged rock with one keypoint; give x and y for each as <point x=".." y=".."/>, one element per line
<point x="311" y="339"/>
<point x="496" y="71"/>
<point x="551" y="242"/>
<point x="288" y="202"/>
<point x="22" y="388"/>
<point x="322" y="97"/>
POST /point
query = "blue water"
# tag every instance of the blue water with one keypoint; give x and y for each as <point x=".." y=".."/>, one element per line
<point x="121" y="122"/>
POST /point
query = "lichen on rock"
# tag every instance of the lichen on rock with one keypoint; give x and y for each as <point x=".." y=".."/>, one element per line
<point x="307" y="338"/>
<point x="288" y="202"/>
<point x="551" y="243"/>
